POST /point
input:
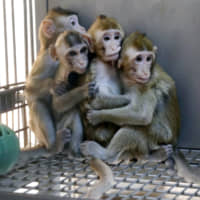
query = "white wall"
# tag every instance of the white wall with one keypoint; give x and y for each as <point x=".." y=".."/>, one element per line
<point x="174" y="26"/>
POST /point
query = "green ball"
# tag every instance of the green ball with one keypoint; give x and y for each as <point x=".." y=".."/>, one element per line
<point x="9" y="149"/>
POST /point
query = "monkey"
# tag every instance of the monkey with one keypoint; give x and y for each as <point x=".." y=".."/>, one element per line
<point x="40" y="80"/>
<point x="150" y="123"/>
<point x="106" y="35"/>
<point x="71" y="49"/>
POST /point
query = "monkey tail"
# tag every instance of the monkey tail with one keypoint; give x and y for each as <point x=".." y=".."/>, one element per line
<point x="184" y="170"/>
<point x="106" y="179"/>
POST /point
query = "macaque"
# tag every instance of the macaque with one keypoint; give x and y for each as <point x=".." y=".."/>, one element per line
<point x="40" y="79"/>
<point x="106" y="35"/>
<point x="71" y="49"/>
<point x="150" y="122"/>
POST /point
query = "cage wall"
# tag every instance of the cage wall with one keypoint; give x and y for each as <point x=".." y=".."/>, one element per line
<point x="18" y="49"/>
<point x="173" y="25"/>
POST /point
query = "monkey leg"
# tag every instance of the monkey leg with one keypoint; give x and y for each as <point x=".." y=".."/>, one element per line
<point x="129" y="143"/>
<point x="63" y="136"/>
<point x="71" y="121"/>
<point x="77" y="134"/>
<point x="160" y="132"/>
<point x="159" y="155"/>
<point x="126" y="141"/>
<point x="104" y="133"/>
<point x="42" y="124"/>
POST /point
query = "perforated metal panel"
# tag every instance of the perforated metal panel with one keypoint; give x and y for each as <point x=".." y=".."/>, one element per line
<point x="60" y="176"/>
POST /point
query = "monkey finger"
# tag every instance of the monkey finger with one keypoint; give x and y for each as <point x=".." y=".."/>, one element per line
<point x="93" y="91"/>
<point x="92" y="117"/>
<point x="92" y="84"/>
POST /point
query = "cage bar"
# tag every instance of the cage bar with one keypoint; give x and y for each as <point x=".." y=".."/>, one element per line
<point x="60" y="176"/>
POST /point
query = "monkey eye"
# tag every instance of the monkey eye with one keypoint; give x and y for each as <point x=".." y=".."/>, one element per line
<point x="72" y="53"/>
<point x="83" y="50"/>
<point x="149" y="58"/>
<point x="138" y="58"/>
<point x="73" y="22"/>
<point x="117" y="37"/>
<point x="106" y="38"/>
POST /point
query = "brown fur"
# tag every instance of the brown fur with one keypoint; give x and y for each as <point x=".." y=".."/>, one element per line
<point x="53" y="14"/>
<point x="151" y="119"/>
<point x="41" y="80"/>
<point x="102" y="23"/>
<point x="104" y="132"/>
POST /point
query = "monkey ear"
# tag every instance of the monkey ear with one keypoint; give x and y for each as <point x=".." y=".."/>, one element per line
<point x="48" y="28"/>
<point x="52" y="52"/>
<point x="89" y="42"/>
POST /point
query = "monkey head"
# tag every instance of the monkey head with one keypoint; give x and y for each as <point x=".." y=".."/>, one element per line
<point x="137" y="58"/>
<point x="71" y="49"/>
<point x="107" y="35"/>
<point x="57" y="21"/>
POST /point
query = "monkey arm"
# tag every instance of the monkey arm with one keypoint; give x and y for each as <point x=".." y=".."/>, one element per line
<point x="35" y="90"/>
<point x="70" y="99"/>
<point x="109" y="102"/>
<point x="136" y="113"/>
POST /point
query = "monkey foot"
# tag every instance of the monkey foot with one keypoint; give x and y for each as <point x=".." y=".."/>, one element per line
<point x="93" y="149"/>
<point x="161" y="154"/>
<point x="168" y="149"/>
<point x="92" y="117"/>
<point x="62" y="137"/>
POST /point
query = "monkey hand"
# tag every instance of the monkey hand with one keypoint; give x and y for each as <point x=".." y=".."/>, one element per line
<point x="96" y="103"/>
<point x="94" y="117"/>
<point x="92" y="90"/>
<point x="60" y="89"/>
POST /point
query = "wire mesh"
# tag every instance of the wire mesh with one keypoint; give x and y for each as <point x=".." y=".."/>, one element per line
<point x="60" y="176"/>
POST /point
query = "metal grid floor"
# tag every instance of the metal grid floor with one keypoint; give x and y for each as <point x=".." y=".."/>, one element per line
<point x="60" y="176"/>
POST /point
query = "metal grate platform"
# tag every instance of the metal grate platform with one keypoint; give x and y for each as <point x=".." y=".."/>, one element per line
<point x="60" y="177"/>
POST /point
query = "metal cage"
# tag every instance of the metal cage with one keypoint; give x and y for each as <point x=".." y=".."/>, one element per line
<point x="61" y="177"/>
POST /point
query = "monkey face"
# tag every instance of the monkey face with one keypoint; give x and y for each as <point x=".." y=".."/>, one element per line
<point x="110" y="44"/>
<point x="137" y="65"/>
<point x="71" y="49"/>
<point x="141" y="66"/>
<point x="77" y="58"/>
<point x="69" y="23"/>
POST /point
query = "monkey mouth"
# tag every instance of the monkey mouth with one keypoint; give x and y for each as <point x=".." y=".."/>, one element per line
<point x="112" y="56"/>
<point x="142" y="80"/>
<point x="80" y="71"/>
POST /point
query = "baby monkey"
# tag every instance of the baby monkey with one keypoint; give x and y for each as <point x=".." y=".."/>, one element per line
<point x="41" y="77"/>
<point x="151" y="120"/>
<point x="71" y="50"/>
<point x="107" y="35"/>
